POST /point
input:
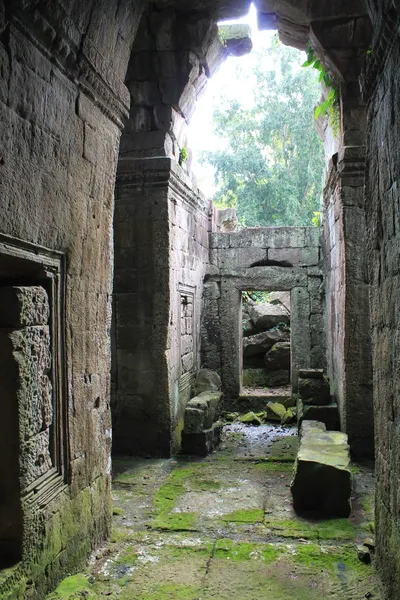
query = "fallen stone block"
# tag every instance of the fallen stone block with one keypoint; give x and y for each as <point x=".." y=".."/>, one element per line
<point x="328" y="414"/>
<point x="322" y="477"/>
<point x="282" y="298"/>
<point x="262" y="342"/>
<point x="266" y="316"/>
<point x="250" y="418"/>
<point x="278" y="357"/>
<point x="207" y="380"/>
<point x="201" y="411"/>
<point x="275" y="411"/>
<point x="201" y="444"/>
<point x="314" y="391"/>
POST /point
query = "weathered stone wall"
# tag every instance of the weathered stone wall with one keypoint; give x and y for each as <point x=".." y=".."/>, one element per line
<point x="62" y="102"/>
<point x="271" y="259"/>
<point x="161" y="253"/>
<point x="381" y="88"/>
<point x="344" y="240"/>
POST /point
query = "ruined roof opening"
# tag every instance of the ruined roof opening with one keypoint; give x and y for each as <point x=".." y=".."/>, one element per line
<point x="255" y="146"/>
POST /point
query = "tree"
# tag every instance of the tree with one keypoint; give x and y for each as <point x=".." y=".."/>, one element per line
<point x="272" y="162"/>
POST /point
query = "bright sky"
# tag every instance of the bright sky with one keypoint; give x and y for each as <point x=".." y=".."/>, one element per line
<point x="201" y="136"/>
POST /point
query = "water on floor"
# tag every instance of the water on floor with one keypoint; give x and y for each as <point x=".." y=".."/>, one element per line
<point x="223" y="527"/>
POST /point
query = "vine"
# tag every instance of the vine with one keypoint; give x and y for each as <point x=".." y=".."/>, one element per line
<point x="329" y="106"/>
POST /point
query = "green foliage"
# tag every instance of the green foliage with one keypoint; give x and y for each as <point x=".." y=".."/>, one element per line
<point x="329" y="106"/>
<point x="316" y="218"/>
<point x="270" y="168"/>
<point x="183" y="155"/>
<point x="257" y="297"/>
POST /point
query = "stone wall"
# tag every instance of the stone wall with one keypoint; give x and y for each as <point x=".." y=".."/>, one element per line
<point x="347" y="322"/>
<point x="271" y="259"/>
<point x="62" y="102"/>
<point x="381" y="88"/>
<point x="161" y="254"/>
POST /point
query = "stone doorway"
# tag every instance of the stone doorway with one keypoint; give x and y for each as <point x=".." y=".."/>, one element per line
<point x="266" y="353"/>
<point x="266" y="340"/>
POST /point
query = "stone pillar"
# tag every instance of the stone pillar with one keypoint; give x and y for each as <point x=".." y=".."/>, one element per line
<point x="231" y="338"/>
<point x="161" y="255"/>
<point x="300" y="332"/>
<point x="347" y="318"/>
<point x="26" y="411"/>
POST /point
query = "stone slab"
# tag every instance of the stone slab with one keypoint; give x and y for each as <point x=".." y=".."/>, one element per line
<point x="322" y="477"/>
<point x="328" y="414"/>
<point x="201" y="444"/>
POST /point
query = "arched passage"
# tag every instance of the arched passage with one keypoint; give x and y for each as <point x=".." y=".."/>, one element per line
<point x="63" y="102"/>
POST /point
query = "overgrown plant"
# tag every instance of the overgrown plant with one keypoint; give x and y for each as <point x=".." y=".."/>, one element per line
<point x="183" y="155"/>
<point x="329" y="106"/>
<point x="316" y="220"/>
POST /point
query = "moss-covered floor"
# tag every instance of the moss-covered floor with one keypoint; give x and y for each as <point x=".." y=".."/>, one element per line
<point x="224" y="528"/>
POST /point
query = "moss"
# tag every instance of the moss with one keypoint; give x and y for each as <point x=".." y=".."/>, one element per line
<point x="335" y="529"/>
<point x="185" y="554"/>
<point x="168" y="591"/>
<point x="177" y="433"/>
<point x="330" y="529"/>
<point x="182" y="521"/>
<point x="74" y="587"/>
<point x="245" y="516"/>
<point x="128" y="557"/>
<point x="367" y="502"/>
<point x="121" y="535"/>
<point x="269" y="464"/>
<point x="126" y="478"/>
<point x="240" y="551"/>
<point x="330" y="558"/>
<point x="117" y="511"/>
<point x="354" y="469"/>
<point x="200" y="485"/>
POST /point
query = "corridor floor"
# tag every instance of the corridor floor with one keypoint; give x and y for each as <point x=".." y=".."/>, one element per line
<point x="223" y="528"/>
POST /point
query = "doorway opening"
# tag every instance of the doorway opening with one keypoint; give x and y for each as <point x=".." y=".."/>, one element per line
<point x="265" y="377"/>
<point x="265" y="340"/>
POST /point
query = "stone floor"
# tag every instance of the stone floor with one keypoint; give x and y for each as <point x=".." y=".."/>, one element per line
<point x="223" y="528"/>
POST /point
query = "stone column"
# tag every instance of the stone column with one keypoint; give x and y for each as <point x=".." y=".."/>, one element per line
<point x="348" y="324"/>
<point x="26" y="411"/>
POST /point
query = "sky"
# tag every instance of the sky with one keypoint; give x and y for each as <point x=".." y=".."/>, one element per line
<point x="224" y="81"/>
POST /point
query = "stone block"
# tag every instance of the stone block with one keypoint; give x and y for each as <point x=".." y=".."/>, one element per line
<point x="207" y="380"/>
<point x="278" y="357"/>
<point x="201" y="411"/>
<point x="278" y="378"/>
<point x="314" y="391"/>
<point x="201" y="444"/>
<point x="322" y="477"/>
<point x="260" y="343"/>
<point x="282" y="298"/>
<point x="22" y="306"/>
<point x="194" y="418"/>
<point x="295" y="257"/>
<point x="275" y="411"/>
<point x="266" y="316"/>
<point x="328" y="414"/>
<point x="311" y="373"/>
<point x="254" y="378"/>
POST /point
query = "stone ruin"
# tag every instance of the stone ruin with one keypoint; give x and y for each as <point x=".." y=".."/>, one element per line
<point x="103" y="231"/>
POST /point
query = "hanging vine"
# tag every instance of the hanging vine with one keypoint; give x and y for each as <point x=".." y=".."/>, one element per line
<point x="329" y="106"/>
